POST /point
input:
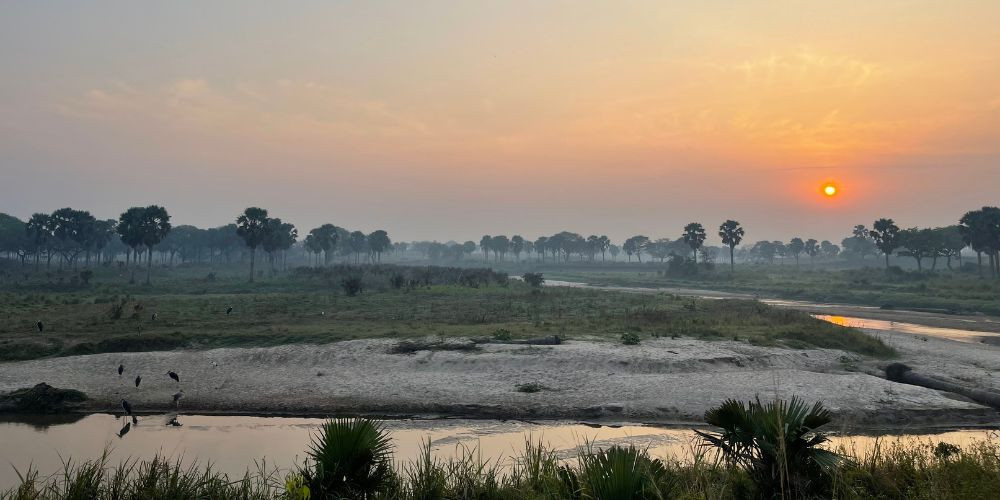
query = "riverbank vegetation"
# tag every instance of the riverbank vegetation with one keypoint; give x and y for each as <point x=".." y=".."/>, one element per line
<point x="895" y="288"/>
<point x="196" y="309"/>
<point x="761" y="450"/>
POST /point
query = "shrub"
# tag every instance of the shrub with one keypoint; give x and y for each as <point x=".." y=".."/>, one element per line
<point x="530" y="387"/>
<point x="502" y="334"/>
<point x="776" y="443"/>
<point x="351" y="458"/>
<point x="397" y="281"/>
<point x="352" y="286"/>
<point x="630" y="338"/>
<point x="534" y="279"/>
<point x="620" y="472"/>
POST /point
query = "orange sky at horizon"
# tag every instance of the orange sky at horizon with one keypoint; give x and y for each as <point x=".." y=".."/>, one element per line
<point x="485" y="115"/>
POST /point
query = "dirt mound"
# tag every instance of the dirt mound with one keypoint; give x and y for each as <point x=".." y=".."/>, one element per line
<point x="42" y="398"/>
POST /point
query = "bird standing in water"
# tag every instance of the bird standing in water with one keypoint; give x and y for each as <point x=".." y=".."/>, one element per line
<point x="229" y="311"/>
<point x="41" y="327"/>
<point x="127" y="407"/>
<point x="121" y="368"/>
<point x="174" y="376"/>
<point x="138" y="378"/>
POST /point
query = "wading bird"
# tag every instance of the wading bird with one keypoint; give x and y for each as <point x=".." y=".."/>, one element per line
<point x="177" y="397"/>
<point x="229" y="310"/>
<point x="127" y="407"/>
<point x="174" y="376"/>
<point x="40" y="326"/>
<point x="153" y="318"/>
<point x="121" y="368"/>
<point x="173" y="421"/>
<point x="138" y="378"/>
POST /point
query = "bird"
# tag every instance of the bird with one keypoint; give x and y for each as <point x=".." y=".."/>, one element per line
<point x="138" y="378"/>
<point x="174" y="376"/>
<point x="124" y="431"/>
<point x="229" y="310"/>
<point x="121" y="368"/>
<point x="135" y="420"/>
<point x="40" y="326"/>
<point x="153" y="318"/>
<point x="173" y="421"/>
<point x="127" y="407"/>
<point x="177" y="397"/>
<point x="138" y="329"/>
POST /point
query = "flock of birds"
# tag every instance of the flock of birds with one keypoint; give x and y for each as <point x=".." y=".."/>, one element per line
<point x="126" y="406"/>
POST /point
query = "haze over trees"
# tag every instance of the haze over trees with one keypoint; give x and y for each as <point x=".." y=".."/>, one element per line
<point x="72" y="237"/>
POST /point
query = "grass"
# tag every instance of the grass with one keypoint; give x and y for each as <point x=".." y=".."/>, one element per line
<point x="942" y="291"/>
<point x="899" y="471"/>
<point x="308" y="306"/>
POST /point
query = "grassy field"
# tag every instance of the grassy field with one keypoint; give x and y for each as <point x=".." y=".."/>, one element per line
<point x="955" y="292"/>
<point x="109" y="314"/>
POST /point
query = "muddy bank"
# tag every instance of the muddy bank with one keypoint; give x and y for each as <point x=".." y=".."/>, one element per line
<point x="659" y="381"/>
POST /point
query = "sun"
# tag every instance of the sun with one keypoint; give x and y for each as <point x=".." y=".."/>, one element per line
<point x="829" y="190"/>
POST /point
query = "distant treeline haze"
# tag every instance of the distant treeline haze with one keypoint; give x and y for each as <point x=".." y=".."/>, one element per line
<point x="140" y="235"/>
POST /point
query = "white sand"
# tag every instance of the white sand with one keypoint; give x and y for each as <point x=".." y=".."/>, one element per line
<point x="661" y="380"/>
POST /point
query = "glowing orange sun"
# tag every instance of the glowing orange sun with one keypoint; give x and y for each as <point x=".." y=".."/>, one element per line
<point x="829" y="190"/>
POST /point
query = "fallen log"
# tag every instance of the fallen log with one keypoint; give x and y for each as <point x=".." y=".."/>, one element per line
<point x="898" y="372"/>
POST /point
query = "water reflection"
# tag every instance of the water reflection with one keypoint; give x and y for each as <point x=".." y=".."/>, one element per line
<point x="233" y="443"/>
<point x="930" y="331"/>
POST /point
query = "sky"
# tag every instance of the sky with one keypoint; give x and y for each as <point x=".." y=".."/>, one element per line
<point x="449" y="120"/>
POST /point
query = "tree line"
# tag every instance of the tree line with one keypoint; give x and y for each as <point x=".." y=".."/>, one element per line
<point x="69" y="236"/>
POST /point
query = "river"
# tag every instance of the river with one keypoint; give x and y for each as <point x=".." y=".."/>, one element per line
<point x="232" y="444"/>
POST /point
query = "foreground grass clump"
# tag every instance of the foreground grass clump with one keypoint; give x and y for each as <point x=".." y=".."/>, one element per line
<point x="402" y="303"/>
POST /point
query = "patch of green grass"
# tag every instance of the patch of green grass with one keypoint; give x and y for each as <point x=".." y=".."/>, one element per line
<point x="311" y="308"/>
<point x="942" y="291"/>
<point x="530" y="387"/>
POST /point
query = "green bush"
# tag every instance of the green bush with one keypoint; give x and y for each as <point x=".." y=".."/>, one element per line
<point x="776" y="443"/>
<point x="351" y="458"/>
<point x="630" y="338"/>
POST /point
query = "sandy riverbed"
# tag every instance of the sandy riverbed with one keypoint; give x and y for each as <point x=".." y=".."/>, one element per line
<point x="661" y="380"/>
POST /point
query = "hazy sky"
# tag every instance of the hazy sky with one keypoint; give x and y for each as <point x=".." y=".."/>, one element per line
<point x="447" y="120"/>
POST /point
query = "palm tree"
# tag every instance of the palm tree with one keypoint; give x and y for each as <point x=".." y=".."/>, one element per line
<point x="252" y="227"/>
<point x="885" y="232"/>
<point x="129" y="229"/>
<point x="776" y="443"/>
<point x="485" y="243"/>
<point x="795" y="247"/>
<point x="732" y="234"/>
<point x="811" y="248"/>
<point x="980" y="229"/>
<point x="154" y="225"/>
<point x="39" y="234"/>
<point x="694" y="236"/>
<point x="378" y="242"/>
<point x="517" y="246"/>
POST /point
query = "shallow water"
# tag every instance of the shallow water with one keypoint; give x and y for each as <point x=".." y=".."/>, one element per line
<point x="972" y="336"/>
<point x="895" y="326"/>
<point x="233" y="443"/>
